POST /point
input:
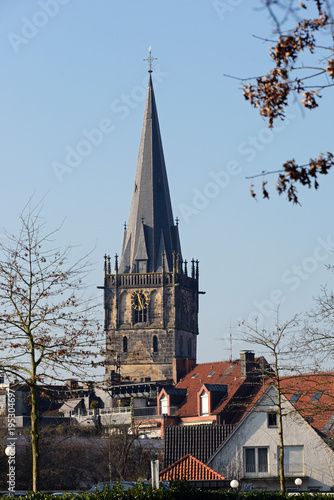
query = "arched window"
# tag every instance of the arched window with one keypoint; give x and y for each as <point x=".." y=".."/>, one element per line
<point x="155" y="343"/>
<point x="141" y="316"/>
<point x="125" y="344"/>
<point x="140" y="302"/>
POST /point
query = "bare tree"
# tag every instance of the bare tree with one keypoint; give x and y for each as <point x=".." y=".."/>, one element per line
<point x="302" y="30"/>
<point x="127" y="458"/>
<point x="318" y="334"/>
<point x="277" y="345"/>
<point x="47" y="325"/>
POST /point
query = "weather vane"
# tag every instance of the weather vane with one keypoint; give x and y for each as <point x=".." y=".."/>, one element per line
<point x="150" y="59"/>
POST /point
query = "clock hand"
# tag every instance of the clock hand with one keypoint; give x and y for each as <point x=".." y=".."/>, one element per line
<point x="140" y="302"/>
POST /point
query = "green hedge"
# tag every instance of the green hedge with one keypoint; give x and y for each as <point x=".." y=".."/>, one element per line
<point x="178" y="491"/>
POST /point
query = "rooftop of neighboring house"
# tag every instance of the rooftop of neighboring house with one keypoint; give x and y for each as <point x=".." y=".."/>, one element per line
<point x="232" y="384"/>
<point x="191" y="469"/>
<point x="312" y="394"/>
<point x="200" y="441"/>
<point x="52" y="397"/>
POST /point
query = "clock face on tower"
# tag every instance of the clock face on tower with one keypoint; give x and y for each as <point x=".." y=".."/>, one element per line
<point x="140" y="300"/>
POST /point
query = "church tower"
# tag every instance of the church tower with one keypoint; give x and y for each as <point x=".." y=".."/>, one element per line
<point x="151" y="298"/>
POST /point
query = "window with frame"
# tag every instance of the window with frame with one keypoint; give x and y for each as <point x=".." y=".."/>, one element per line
<point x="293" y="459"/>
<point x="256" y="460"/>
<point x="204" y="398"/>
<point x="294" y="398"/>
<point x="316" y="396"/>
<point x="164" y="405"/>
<point x="272" y="419"/>
<point x="140" y="316"/>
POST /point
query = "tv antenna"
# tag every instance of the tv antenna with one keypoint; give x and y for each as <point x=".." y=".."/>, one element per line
<point x="230" y="341"/>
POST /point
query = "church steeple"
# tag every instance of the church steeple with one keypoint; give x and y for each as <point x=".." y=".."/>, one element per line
<point x="151" y="230"/>
<point x="150" y="301"/>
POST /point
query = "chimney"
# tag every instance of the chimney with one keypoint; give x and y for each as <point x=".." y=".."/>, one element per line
<point x="247" y="363"/>
<point x="72" y="383"/>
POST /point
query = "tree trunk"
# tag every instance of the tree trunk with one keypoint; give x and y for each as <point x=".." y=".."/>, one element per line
<point x="280" y="432"/>
<point x="34" y="439"/>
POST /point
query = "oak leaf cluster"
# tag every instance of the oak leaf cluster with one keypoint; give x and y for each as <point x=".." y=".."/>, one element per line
<point x="270" y="93"/>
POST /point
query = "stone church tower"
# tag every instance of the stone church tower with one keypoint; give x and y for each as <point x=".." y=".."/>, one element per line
<point x="151" y="299"/>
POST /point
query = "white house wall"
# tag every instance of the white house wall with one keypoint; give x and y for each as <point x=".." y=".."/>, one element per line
<point x="253" y="431"/>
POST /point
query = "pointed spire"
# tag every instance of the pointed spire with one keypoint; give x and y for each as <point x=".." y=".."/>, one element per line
<point x="151" y="223"/>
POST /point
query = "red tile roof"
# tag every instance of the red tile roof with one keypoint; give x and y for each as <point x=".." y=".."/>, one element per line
<point x="222" y="373"/>
<point x="191" y="469"/>
<point x="319" y="410"/>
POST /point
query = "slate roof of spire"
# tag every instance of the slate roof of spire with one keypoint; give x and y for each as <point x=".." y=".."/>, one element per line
<point x="151" y="230"/>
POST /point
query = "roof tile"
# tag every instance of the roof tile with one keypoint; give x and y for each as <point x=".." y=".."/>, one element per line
<point x="191" y="469"/>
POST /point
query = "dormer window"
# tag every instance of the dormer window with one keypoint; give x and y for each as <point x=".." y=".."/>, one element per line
<point x="204" y="398"/>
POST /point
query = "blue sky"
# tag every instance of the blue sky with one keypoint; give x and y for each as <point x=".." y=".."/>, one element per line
<point x="72" y="67"/>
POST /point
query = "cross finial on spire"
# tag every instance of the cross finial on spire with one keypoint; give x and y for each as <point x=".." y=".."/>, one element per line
<point x="149" y="60"/>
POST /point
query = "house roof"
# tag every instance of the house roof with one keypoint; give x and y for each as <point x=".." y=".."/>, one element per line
<point x="258" y="400"/>
<point x="312" y="395"/>
<point x="191" y="469"/>
<point x="201" y="441"/>
<point x="216" y="387"/>
<point x="70" y="405"/>
<point x="172" y="391"/>
<point x="217" y="374"/>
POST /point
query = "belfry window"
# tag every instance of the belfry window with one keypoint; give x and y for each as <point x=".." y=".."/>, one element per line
<point x="141" y="316"/>
<point x="140" y="300"/>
